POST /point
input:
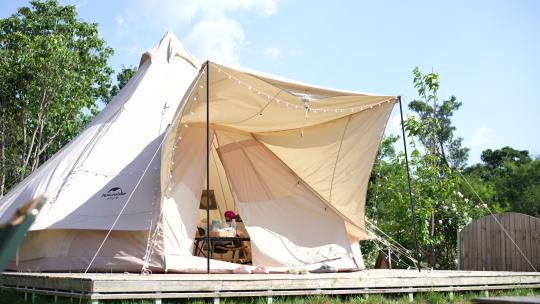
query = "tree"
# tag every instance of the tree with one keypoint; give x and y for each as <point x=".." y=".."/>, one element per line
<point x="435" y="117"/>
<point x="514" y="178"/>
<point x="441" y="206"/>
<point x="122" y="79"/>
<point x="54" y="72"/>
<point x="494" y="159"/>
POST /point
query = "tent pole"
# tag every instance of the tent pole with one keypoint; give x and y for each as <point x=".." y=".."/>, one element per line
<point x="411" y="202"/>
<point x="208" y="167"/>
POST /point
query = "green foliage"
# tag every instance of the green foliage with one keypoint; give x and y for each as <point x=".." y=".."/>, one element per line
<point x="441" y="207"/>
<point x="434" y="128"/>
<point x="496" y="159"/>
<point x="513" y="180"/>
<point x="508" y="180"/>
<point x="54" y="72"/>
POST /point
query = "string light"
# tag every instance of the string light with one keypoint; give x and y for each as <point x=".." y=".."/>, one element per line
<point x="296" y="107"/>
<point x="306" y="107"/>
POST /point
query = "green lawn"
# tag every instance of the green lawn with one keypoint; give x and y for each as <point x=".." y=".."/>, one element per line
<point x="9" y="297"/>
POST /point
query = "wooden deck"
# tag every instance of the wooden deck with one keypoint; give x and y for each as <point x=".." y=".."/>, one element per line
<point x="160" y="286"/>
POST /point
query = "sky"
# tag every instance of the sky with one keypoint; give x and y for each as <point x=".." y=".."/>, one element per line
<point x="487" y="52"/>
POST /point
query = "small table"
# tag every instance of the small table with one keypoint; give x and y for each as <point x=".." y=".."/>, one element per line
<point x="200" y="241"/>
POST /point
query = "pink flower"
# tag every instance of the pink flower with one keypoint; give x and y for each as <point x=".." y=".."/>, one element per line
<point x="229" y="215"/>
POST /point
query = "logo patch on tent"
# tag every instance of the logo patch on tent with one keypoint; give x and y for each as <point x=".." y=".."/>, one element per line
<point x="113" y="193"/>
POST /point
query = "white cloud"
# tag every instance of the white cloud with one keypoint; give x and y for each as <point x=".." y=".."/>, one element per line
<point x="210" y="27"/>
<point x="296" y="52"/>
<point x="217" y="40"/>
<point x="272" y="52"/>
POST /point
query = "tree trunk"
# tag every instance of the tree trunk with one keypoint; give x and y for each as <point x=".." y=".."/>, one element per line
<point x="40" y="121"/>
<point x="432" y="258"/>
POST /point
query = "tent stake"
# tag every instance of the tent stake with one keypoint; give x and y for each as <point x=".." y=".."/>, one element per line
<point x="208" y="168"/>
<point x="409" y="183"/>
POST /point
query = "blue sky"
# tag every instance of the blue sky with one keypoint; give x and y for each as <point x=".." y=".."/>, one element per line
<point x="486" y="52"/>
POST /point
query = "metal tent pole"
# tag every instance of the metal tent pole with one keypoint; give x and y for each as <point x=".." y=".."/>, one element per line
<point x="411" y="202"/>
<point x="208" y="167"/>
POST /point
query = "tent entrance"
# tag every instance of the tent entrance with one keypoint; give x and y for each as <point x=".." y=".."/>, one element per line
<point x="221" y="202"/>
<point x="288" y="225"/>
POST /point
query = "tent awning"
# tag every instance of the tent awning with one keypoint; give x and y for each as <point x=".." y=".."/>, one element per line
<point x="328" y="138"/>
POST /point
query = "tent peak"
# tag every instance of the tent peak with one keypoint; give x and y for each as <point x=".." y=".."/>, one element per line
<point x="168" y="48"/>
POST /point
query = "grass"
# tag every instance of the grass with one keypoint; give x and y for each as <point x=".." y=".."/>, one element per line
<point x="423" y="298"/>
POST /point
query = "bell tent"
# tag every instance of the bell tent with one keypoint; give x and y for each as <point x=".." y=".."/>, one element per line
<point x="292" y="159"/>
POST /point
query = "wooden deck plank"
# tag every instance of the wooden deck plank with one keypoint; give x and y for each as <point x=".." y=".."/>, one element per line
<point x="122" y="283"/>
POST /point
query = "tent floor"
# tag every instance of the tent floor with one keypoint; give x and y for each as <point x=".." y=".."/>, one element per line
<point x="160" y="286"/>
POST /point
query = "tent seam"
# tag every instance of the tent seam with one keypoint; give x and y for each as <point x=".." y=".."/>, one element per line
<point x="337" y="158"/>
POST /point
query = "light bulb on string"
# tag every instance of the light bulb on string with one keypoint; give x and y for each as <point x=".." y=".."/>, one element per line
<point x="336" y="110"/>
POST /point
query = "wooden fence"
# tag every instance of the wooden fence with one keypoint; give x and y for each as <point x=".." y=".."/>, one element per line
<point x="485" y="246"/>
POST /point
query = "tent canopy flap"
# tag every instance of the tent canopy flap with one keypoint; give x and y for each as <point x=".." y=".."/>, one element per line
<point x="327" y="138"/>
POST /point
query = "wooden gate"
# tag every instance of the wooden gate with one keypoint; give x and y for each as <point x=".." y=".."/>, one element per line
<point x="485" y="246"/>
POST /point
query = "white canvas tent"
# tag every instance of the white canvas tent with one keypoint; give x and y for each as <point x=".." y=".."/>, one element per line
<point x="293" y="159"/>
